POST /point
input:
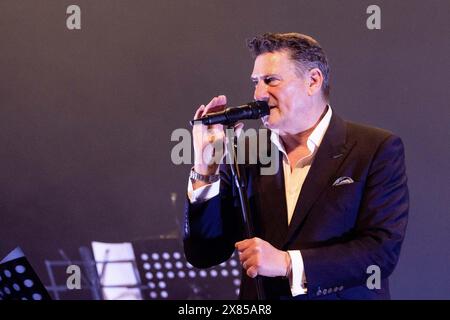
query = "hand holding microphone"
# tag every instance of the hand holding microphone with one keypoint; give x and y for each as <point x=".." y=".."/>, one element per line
<point x="209" y="135"/>
<point x="204" y="137"/>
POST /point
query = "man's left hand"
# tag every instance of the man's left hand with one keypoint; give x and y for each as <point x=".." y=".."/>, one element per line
<point x="258" y="257"/>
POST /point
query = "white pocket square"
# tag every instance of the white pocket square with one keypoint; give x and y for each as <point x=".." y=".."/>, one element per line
<point x="342" y="180"/>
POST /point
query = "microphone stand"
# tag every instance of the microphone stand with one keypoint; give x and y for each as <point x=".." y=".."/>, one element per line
<point x="240" y="181"/>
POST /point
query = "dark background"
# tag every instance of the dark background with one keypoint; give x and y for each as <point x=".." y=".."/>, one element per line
<point x="86" y="115"/>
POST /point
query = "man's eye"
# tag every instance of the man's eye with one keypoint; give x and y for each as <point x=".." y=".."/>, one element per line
<point x="269" y="81"/>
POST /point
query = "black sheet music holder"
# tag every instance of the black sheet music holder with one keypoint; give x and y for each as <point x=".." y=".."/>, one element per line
<point x="18" y="280"/>
<point x="165" y="273"/>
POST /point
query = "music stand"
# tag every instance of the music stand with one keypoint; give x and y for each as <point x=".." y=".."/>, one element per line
<point x="18" y="280"/>
<point x="98" y="272"/>
<point x="117" y="272"/>
<point x="57" y="274"/>
<point x="165" y="273"/>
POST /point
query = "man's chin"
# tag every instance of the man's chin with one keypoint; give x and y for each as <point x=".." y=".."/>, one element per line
<point x="269" y="123"/>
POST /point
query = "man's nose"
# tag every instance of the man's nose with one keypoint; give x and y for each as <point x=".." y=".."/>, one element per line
<point x="261" y="93"/>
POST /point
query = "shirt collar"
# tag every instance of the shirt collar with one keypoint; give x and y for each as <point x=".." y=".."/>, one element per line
<point x="314" y="139"/>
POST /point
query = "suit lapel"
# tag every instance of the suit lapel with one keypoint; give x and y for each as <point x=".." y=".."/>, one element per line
<point x="272" y="203"/>
<point x="330" y="155"/>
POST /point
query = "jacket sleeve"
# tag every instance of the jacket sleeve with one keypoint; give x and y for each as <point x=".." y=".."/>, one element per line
<point x="379" y="230"/>
<point x="211" y="228"/>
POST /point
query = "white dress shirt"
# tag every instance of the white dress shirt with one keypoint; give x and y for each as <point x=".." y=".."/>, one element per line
<point x="294" y="180"/>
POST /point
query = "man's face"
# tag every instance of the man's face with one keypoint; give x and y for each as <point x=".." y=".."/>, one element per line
<point x="277" y="81"/>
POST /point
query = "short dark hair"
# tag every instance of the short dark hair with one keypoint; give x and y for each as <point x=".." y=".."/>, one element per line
<point x="304" y="50"/>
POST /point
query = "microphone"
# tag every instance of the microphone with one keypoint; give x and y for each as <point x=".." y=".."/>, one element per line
<point x="230" y="115"/>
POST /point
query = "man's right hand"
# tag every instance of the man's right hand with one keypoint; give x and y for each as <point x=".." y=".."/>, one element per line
<point x="208" y="140"/>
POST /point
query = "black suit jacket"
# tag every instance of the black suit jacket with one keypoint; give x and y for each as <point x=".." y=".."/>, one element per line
<point x="340" y="230"/>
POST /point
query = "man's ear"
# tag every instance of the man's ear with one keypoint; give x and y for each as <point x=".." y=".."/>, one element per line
<point x="315" y="81"/>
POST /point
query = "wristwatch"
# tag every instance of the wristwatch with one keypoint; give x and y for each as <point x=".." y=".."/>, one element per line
<point x="201" y="177"/>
